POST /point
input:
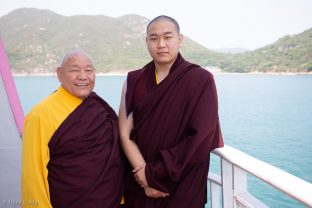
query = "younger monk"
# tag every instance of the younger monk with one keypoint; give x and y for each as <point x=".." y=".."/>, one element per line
<point x="71" y="152"/>
<point x="168" y="123"/>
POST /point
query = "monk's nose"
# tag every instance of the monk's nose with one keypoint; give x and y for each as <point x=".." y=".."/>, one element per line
<point x="161" y="43"/>
<point x="82" y="74"/>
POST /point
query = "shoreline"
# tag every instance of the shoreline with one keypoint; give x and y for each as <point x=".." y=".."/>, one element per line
<point x="54" y="74"/>
<point x="102" y="74"/>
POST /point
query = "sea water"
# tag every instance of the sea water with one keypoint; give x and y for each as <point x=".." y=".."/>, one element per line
<point x="266" y="116"/>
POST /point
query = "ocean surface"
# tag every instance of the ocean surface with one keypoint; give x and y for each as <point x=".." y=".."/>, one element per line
<point x="266" y="116"/>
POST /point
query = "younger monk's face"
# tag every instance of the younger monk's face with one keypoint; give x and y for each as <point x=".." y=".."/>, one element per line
<point x="77" y="76"/>
<point x="163" y="42"/>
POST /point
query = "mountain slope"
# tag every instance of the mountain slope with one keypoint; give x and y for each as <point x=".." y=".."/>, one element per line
<point x="35" y="41"/>
<point x="288" y="54"/>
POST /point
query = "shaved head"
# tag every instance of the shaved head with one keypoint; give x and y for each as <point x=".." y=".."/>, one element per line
<point x="73" y="53"/>
<point x="164" y="18"/>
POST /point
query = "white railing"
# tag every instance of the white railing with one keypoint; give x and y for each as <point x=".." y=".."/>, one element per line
<point x="233" y="181"/>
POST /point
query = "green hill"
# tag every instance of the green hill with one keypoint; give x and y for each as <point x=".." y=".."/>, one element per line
<point x="35" y="41"/>
<point x="288" y="54"/>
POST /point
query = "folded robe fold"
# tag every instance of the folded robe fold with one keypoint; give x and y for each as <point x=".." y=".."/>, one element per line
<point x="85" y="167"/>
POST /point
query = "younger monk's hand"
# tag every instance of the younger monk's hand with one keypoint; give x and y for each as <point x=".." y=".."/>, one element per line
<point x="151" y="192"/>
<point x="139" y="175"/>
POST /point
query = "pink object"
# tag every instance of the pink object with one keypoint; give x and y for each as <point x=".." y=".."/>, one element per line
<point x="10" y="89"/>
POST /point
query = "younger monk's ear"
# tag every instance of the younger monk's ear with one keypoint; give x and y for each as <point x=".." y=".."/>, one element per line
<point x="181" y="40"/>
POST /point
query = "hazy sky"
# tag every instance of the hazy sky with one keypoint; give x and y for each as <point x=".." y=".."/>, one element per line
<point x="213" y="23"/>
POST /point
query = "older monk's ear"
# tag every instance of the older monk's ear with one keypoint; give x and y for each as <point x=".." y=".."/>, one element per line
<point x="181" y="40"/>
<point x="59" y="72"/>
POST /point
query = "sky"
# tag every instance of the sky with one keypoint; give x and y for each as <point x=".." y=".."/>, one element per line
<point x="215" y="24"/>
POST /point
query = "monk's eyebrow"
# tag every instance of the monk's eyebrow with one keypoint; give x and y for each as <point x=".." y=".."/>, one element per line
<point x="168" y="33"/>
<point x="165" y="33"/>
<point x="152" y="34"/>
<point x="77" y="66"/>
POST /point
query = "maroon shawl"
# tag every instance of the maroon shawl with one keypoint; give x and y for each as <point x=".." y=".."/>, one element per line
<point x="176" y="125"/>
<point x="85" y="167"/>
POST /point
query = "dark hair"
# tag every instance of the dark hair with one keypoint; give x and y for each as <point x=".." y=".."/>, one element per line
<point x="166" y="18"/>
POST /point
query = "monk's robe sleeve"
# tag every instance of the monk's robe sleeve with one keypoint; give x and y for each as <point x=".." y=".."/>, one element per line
<point x="35" y="187"/>
<point x="202" y="135"/>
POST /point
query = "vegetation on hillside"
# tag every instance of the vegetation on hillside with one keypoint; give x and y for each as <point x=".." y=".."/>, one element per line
<point x="35" y="41"/>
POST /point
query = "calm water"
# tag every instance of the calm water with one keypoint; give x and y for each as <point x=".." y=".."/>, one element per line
<point x="266" y="116"/>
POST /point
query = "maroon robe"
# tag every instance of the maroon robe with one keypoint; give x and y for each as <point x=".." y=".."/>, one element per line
<point x="176" y="126"/>
<point x="85" y="167"/>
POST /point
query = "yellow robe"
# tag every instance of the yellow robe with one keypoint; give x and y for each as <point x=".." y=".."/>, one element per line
<point x="40" y="124"/>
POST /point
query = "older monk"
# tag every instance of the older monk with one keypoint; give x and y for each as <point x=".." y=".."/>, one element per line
<point x="71" y="152"/>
